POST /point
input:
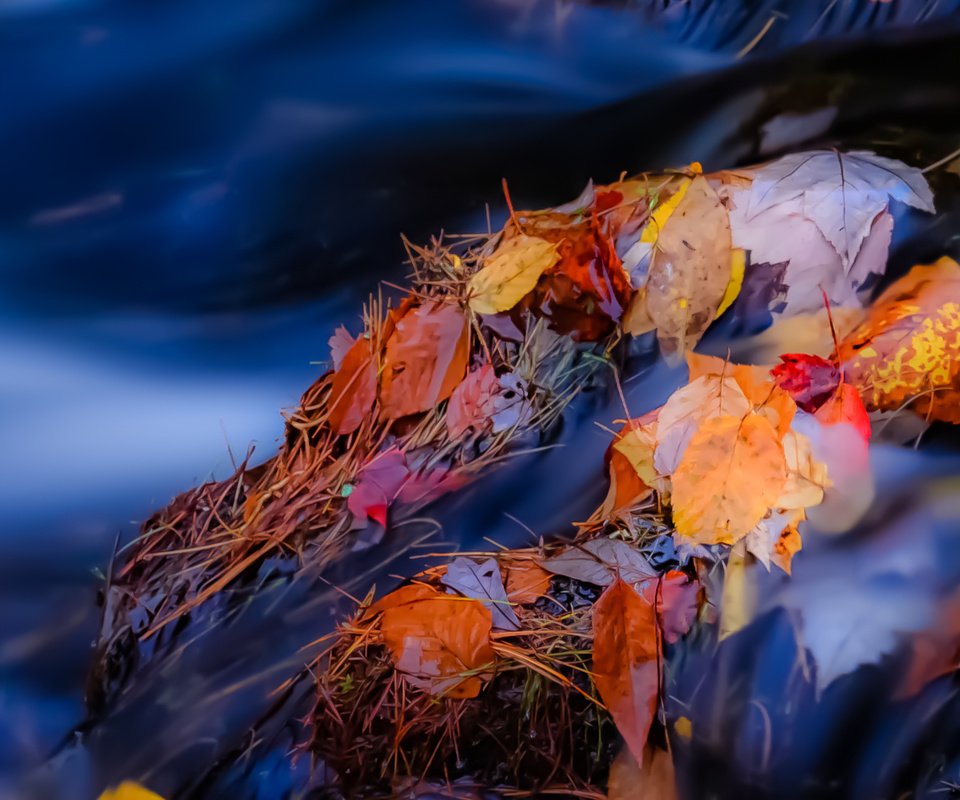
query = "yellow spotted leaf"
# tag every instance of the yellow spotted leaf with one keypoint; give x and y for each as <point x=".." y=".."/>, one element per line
<point x="907" y="350"/>
<point x="510" y="273"/>
<point x="690" y="270"/>
<point x="731" y="474"/>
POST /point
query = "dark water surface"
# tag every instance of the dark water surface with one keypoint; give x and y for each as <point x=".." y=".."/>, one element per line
<point x="195" y="194"/>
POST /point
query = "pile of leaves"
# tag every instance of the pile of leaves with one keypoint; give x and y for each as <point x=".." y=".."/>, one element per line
<point x="478" y="358"/>
<point x="514" y="669"/>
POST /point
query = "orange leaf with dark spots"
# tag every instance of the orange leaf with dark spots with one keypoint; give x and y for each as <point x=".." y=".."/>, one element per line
<point x="626" y="655"/>
<point x="426" y="358"/>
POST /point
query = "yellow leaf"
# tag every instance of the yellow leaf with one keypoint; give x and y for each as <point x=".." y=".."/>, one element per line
<point x="510" y="273"/>
<point x="806" y="477"/>
<point x="730" y="476"/>
<point x="636" y="319"/>
<point x="637" y="446"/>
<point x="684" y="728"/>
<point x="129" y="790"/>
<point x="689" y="270"/>
<point x="739" y="594"/>
<point x="661" y="213"/>
<point x="681" y="416"/>
<point x="738" y="266"/>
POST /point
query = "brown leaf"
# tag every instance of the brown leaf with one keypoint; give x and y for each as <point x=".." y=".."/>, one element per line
<point x="626" y="654"/>
<point x="655" y="780"/>
<point x="354" y="388"/>
<point x="439" y="642"/>
<point x="425" y="360"/>
<point x="690" y="269"/>
<point x="599" y="561"/>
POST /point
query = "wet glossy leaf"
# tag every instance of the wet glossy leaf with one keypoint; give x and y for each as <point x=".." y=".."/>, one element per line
<point x="730" y="476"/>
<point x="510" y="273"/>
<point x="439" y="642"/>
<point x="426" y="357"/>
<point x="482" y="581"/>
<point x="626" y="652"/>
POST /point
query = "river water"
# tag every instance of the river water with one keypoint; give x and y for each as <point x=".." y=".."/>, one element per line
<point x="195" y="195"/>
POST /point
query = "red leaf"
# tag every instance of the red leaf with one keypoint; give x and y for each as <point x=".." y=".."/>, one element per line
<point x="377" y="486"/>
<point x="603" y="201"/>
<point x="425" y="360"/>
<point x="473" y="402"/>
<point x="845" y="405"/>
<point x="354" y="388"/>
<point x="626" y="654"/>
<point x="809" y="380"/>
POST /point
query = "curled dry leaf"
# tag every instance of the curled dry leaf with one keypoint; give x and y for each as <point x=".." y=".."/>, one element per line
<point x="511" y="273"/>
<point x="731" y="475"/>
<point x="439" y="642"/>
<point x="690" y="269"/>
<point x="907" y="350"/>
<point x="426" y="358"/>
<point x="599" y="561"/>
<point x="472" y="403"/>
<point x="482" y="582"/>
<point x="626" y="654"/>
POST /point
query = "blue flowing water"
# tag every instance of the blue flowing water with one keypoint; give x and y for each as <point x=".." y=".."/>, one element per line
<point x="195" y="194"/>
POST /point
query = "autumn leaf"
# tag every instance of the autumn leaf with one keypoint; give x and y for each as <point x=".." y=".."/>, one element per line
<point x="377" y="485"/>
<point x="690" y="269"/>
<point x="655" y="780"/>
<point x="599" y="561"/>
<point x="510" y="273"/>
<point x="472" y="402"/>
<point x="129" y="790"/>
<point x="686" y="410"/>
<point x="775" y="539"/>
<point x="439" y="642"/>
<point x="730" y="476"/>
<point x="354" y="388"/>
<point x="841" y="193"/>
<point x="845" y="406"/>
<point x="527" y="581"/>
<point x="739" y="604"/>
<point x="426" y="357"/>
<point x="907" y="350"/>
<point x="626" y="653"/>
<point x="482" y="582"/>
<point x="806" y="475"/>
<point x="809" y="380"/>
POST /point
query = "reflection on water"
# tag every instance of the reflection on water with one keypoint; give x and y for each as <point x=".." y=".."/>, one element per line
<point x="197" y="194"/>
